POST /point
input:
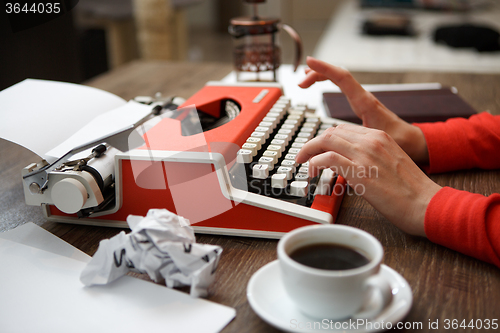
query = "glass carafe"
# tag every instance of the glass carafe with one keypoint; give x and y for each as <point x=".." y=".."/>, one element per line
<point x="256" y="49"/>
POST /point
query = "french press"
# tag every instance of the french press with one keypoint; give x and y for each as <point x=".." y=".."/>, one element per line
<point x="255" y="44"/>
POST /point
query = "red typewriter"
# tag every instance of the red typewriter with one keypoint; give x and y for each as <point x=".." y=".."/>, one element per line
<point x="224" y="159"/>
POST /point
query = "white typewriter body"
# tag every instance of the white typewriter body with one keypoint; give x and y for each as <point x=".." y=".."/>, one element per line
<point x="225" y="173"/>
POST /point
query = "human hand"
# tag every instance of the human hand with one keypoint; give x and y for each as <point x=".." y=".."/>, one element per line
<point x="378" y="169"/>
<point x="369" y="109"/>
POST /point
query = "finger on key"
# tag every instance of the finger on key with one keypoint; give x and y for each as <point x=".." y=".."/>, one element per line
<point x="331" y="160"/>
<point x="325" y="143"/>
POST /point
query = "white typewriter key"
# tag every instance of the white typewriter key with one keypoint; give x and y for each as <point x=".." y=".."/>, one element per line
<point x="325" y="126"/>
<point x="260" y="171"/>
<point x="305" y="164"/>
<point x="310" y="125"/>
<point x="292" y="122"/>
<point x="266" y="130"/>
<point x="306" y="135"/>
<point x="283" y="137"/>
<point x="293" y="151"/>
<point x="288" y="134"/>
<point x="290" y="157"/>
<point x="281" y="110"/>
<point x="244" y="156"/>
<point x="270" y="119"/>
<point x="278" y="142"/>
<point x="281" y="104"/>
<point x="290" y="164"/>
<point x="269" y="161"/>
<point x="300" y="140"/>
<point x="278" y="180"/>
<point x="250" y="146"/>
<point x="256" y="141"/>
<point x="259" y="135"/>
<point x="276" y="148"/>
<point x="325" y="183"/>
<point x="294" y="117"/>
<point x="284" y="131"/>
<point x="266" y="124"/>
<point x="299" y="188"/>
<point x="273" y="120"/>
<point x="302" y="177"/>
<point x="312" y="120"/>
<point x="303" y="169"/>
<point x="271" y="154"/>
<point x="276" y="115"/>
<point x="297" y="111"/>
<point x="307" y="129"/>
<point x="285" y="99"/>
<point x="290" y="127"/>
<point x="296" y="144"/>
<point x="288" y="171"/>
<point x="299" y="114"/>
<point x="318" y="133"/>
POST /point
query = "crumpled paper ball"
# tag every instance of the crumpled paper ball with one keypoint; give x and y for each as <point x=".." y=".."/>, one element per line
<point x="161" y="244"/>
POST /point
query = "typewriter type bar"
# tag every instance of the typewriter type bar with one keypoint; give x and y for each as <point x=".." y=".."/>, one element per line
<point x="226" y="161"/>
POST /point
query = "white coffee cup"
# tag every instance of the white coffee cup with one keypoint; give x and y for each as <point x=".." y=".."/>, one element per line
<point x="333" y="294"/>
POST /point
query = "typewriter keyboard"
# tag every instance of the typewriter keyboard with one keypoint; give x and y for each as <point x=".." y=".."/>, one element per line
<point x="268" y="156"/>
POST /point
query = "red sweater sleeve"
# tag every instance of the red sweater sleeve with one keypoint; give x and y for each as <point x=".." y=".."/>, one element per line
<point x="466" y="222"/>
<point x="461" y="143"/>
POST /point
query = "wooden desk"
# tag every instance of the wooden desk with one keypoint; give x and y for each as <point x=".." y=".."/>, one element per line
<point x="446" y="284"/>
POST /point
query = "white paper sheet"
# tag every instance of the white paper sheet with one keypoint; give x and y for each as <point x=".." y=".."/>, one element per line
<point x="39" y="114"/>
<point x="102" y="125"/>
<point x="30" y="234"/>
<point x="41" y="292"/>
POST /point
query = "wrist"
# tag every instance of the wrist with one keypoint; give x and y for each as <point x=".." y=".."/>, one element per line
<point x="420" y="208"/>
<point x="417" y="145"/>
<point x="412" y="140"/>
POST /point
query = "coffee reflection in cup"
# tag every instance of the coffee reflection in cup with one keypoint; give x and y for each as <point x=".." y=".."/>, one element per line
<point x="331" y="271"/>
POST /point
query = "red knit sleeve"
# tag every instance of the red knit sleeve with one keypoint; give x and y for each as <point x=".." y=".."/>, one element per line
<point x="461" y="143"/>
<point x="466" y="222"/>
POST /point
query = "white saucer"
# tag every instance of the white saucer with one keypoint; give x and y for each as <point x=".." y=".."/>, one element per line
<point x="269" y="300"/>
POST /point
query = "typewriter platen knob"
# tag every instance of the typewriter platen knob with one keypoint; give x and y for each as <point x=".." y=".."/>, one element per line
<point x="69" y="195"/>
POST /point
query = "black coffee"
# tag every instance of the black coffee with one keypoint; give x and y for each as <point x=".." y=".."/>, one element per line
<point x="329" y="256"/>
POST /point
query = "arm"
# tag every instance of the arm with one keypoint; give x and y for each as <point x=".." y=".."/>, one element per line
<point x="462" y="221"/>
<point x="465" y="222"/>
<point x="463" y="143"/>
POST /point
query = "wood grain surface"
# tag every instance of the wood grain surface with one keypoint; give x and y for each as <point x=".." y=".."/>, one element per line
<point x="445" y="284"/>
